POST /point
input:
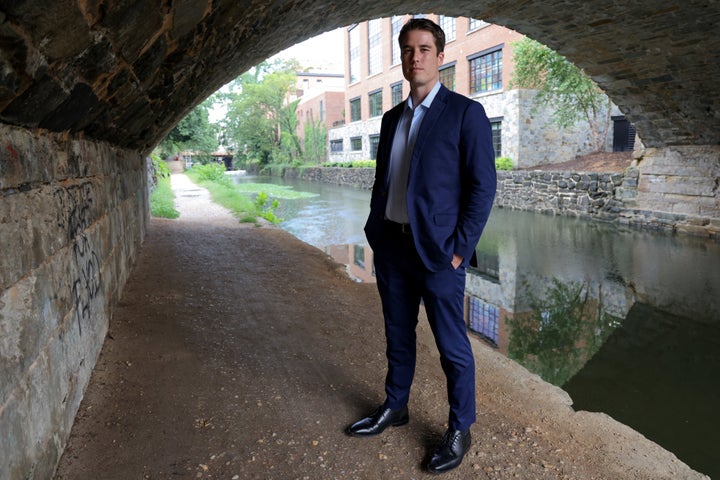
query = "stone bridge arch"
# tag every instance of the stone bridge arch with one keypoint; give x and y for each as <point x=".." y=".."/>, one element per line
<point x="126" y="72"/>
<point x="88" y="87"/>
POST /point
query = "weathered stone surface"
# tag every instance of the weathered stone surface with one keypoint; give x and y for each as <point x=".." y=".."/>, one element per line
<point x="645" y="56"/>
<point x="72" y="216"/>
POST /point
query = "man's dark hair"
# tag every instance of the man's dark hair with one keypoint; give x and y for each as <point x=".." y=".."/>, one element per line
<point x="427" y="25"/>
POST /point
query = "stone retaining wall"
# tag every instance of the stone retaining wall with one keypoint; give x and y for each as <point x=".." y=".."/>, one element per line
<point x="354" y="177"/>
<point x="585" y="195"/>
<point x="634" y="198"/>
<point x="72" y="217"/>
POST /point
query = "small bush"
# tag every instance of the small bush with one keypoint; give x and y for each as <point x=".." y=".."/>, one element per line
<point x="267" y="211"/>
<point x="160" y="167"/>
<point x="363" y="164"/>
<point x="211" y="172"/>
<point x="352" y="164"/>
<point x="503" y="163"/>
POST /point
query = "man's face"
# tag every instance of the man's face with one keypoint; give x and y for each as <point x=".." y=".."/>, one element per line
<point x="420" y="59"/>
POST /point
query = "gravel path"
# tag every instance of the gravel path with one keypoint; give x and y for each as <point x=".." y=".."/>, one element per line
<point x="195" y="205"/>
<point x="240" y="352"/>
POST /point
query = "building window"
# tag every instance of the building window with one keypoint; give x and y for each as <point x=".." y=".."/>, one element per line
<point x="396" y="93"/>
<point x="354" y="43"/>
<point x="475" y="24"/>
<point x="356" y="144"/>
<point x="355" y="113"/>
<point x="486" y="71"/>
<point x="375" y="103"/>
<point x="396" y="25"/>
<point x="336" y="145"/>
<point x="447" y="76"/>
<point x="448" y="26"/>
<point x="374" y="46"/>
<point x="483" y="319"/>
<point x="374" y="142"/>
<point x="322" y="111"/>
<point x="359" y="256"/>
<point x="496" y="126"/>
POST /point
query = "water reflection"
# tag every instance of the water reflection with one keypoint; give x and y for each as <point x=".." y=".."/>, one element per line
<point x="626" y="321"/>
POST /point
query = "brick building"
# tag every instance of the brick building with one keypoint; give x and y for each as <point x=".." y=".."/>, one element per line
<point x="322" y="100"/>
<point x="478" y="63"/>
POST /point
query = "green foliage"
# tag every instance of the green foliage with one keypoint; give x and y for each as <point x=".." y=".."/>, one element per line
<point x="351" y="164"/>
<point x="563" y="87"/>
<point x="503" y="163"/>
<point x="194" y="132"/>
<point x="160" y="167"/>
<point x="258" y="121"/>
<point x="224" y="192"/>
<point x="275" y="191"/>
<point x="363" y="164"/>
<point x="563" y="330"/>
<point x="315" y="141"/>
<point x="211" y="172"/>
<point x="267" y="211"/>
<point x="162" y="199"/>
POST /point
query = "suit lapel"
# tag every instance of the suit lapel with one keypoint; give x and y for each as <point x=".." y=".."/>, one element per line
<point x="437" y="107"/>
<point x="393" y="118"/>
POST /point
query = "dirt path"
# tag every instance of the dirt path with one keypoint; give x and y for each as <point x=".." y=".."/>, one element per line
<point x="239" y="352"/>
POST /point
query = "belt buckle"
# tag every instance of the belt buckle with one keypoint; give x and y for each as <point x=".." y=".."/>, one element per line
<point x="405" y="228"/>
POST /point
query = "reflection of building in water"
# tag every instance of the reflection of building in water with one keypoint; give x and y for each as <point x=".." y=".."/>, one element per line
<point x="357" y="258"/>
<point x="550" y="323"/>
<point x="552" y="286"/>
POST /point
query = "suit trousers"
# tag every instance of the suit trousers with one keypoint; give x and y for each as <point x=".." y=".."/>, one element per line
<point x="403" y="282"/>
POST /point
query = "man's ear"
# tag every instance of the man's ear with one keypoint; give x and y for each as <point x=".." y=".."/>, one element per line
<point x="441" y="57"/>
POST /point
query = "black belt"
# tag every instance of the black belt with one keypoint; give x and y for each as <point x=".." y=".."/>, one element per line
<point x="403" y="228"/>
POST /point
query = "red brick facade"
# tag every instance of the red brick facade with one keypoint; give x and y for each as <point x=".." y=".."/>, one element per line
<point x="467" y="42"/>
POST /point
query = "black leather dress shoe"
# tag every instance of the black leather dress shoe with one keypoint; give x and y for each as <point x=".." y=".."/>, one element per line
<point x="449" y="454"/>
<point x="378" y="422"/>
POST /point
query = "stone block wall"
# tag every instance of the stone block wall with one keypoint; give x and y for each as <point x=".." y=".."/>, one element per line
<point x="664" y="193"/>
<point x="584" y="195"/>
<point x="677" y="189"/>
<point x="72" y="216"/>
<point x="353" y="177"/>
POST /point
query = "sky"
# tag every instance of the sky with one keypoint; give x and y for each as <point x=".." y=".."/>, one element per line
<point x="324" y="52"/>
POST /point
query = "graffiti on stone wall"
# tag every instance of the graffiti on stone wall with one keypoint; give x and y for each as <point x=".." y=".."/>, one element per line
<point x="74" y="212"/>
<point x="87" y="283"/>
<point x="74" y="216"/>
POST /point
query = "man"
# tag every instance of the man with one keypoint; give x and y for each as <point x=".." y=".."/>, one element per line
<point x="434" y="187"/>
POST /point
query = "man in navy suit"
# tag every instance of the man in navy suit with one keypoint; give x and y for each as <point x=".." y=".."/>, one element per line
<point x="434" y="187"/>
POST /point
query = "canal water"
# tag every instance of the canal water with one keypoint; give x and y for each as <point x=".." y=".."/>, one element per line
<point x="626" y="321"/>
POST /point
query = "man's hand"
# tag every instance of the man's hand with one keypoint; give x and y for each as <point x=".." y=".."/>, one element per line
<point x="456" y="261"/>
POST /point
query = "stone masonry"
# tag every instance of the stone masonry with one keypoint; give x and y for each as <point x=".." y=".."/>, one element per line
<point x="88" y="88"/>
<point x="72" y="217"/>
<point x="584" y="195"/>
<point x="609" y="197"/>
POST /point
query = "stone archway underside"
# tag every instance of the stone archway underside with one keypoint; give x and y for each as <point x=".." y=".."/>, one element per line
<point x="125" y="72"/>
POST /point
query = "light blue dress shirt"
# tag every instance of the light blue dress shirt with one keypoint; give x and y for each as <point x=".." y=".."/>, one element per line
<point x="400" y="155"/>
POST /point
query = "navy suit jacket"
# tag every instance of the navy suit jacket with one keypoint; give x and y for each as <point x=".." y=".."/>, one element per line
<point x="451" y="182"/>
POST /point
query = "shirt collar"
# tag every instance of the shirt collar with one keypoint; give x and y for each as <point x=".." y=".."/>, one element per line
<point x="428" y="100"/>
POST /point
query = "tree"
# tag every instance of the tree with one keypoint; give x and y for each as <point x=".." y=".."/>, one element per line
<point x="259" y="120"/>
<point x="563" y="87"/>
<point x="315" y="140"/>
<point x="194" y="132"/>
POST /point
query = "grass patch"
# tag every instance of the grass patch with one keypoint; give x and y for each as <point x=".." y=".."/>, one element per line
<point x="227" y="196"/>
<point x="225" y="193"/>
<point x="162" y="200"/>
<point x="284" y="192"/>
